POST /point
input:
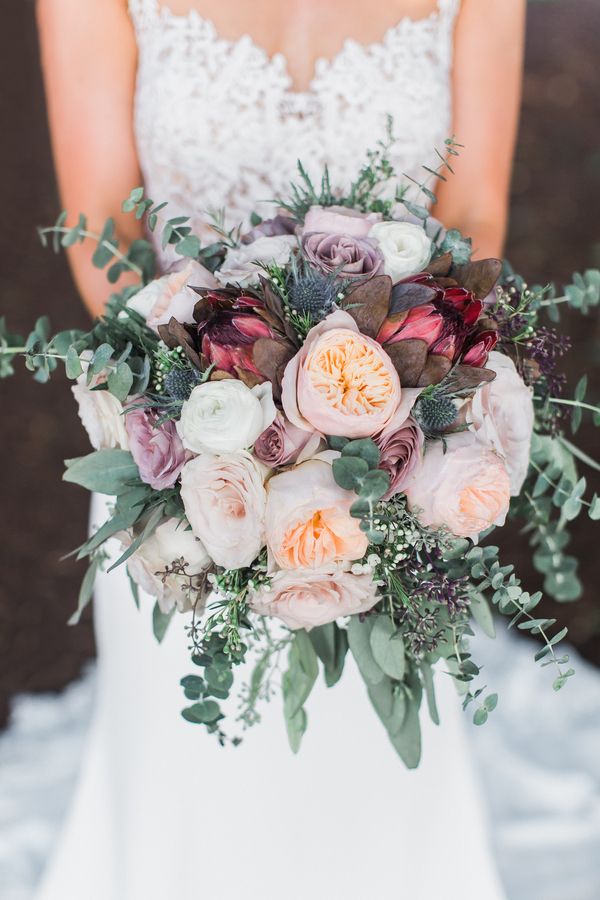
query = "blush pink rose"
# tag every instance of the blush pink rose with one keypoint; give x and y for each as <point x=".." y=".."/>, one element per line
<point x="307" y="520"/>
<point x="305" y="598"/>
<point x="501" y="414"/>
<point x="282" y="443"/>
<point x="224" y="501"/>
<point x="465" y="489"/>
<point x="170" y="296"/>
<point x="171" y="542"/>
<point x="340" y="382"/>
<point x="339" y="220"/>
<point x="156" y="449"/>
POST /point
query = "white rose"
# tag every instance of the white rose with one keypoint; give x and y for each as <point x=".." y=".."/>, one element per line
<point x="224" y="500"/>
<point x="242" y="264"/>
<point x="501" y="415"/>
<point x="102" y="416"/>
<point x="405" y="247"/>
<point x="224" y="416"/>
<point x="171" y="542"/>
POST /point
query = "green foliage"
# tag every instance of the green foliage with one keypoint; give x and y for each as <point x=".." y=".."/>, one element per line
<point x="357" y="470"/>
<point x="104" y="471"/>
<point x="297" y="683"/>
<point x="161" y="621"/>
<point x="331" y="645"/>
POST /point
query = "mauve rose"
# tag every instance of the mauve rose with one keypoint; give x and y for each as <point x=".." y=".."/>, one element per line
<point x="342" y="253"/>
<point x="157" y="450"/>
<point x="339" y="220"/>
<point x="401" y="453"/>
<point x="282" y="443"/>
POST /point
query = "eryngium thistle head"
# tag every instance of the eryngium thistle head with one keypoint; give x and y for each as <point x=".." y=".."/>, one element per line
<point x="179" y="383"/>
<point x="312" y="294"/>
<point x="435" y="412"/>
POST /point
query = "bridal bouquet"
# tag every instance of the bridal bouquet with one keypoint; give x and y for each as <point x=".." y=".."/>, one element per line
<point x="309" y="430"/>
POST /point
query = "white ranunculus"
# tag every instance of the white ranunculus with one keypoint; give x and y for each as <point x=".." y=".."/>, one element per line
<point x="242" y="264"/>
<point x="102" y="416"/>
<point x="405" y="247"/>
<point x="170" y="296"/>
<point x="501" y="415"/>
<point x="224" y="416"/>
<point x="224" y="500"/>
<point x="171" y="542"/>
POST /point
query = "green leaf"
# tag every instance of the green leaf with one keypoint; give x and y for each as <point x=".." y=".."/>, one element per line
<point x="99" y="361"/>
<point x="73" y="367"/>
<point x="119" y="381"/>
<point x="482" y="613"/>
<point x="594" y="510"/>
<point x="103" y="471"/>
<point x="337" y="443"/>
<point x="581" y="388"/>
<point x="359" y="634"/>
<point x="407" y="742"/>
<point x="203" y="713"/>
<point x="365" y="449"/>
<point x="160" y="621"/>
<point x="296" y="727"/>
<point x="428" y="683"/>
<point x="349" y="472"/>
<point x="480" y="716"/>
<point x="86" y="590"/>
<point x="387" y="647"/>
<point x="150" y="527"/>
<point x="375" y="484"/>
<point x="189" y="246"/>
<point x="491" y="702"/>
<point x="331" y="645"/>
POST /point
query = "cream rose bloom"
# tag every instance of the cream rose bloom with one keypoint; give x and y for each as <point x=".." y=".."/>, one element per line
<point x="170" y="296"/>
<point x="501" y="415"/>
<point x="305" y="598"/>
<point x="242" y="265"/>
<point x="224" y="416"/>
<point x="102" y="416"/>
<point x="224" y="501"/>
<point x="340" y="382"/>
<point x="466" y="489"/>
<point x="405" y="247"/>
<point x="308" y="523"/>
<point x="171" y="542"/>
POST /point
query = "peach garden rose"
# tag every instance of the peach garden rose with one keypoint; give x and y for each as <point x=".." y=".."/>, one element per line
<point x="340" y="382"/>
<point x="308" y="598"/>
<point x="307" y="520"/>
<point x="464" y="489"/>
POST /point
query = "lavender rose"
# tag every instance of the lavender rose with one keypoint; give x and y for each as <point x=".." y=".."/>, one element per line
<point x="401" y="452"/>
<point x="339" y="220"/>
<point x="350" y="256"/>
<point x="156" y="450"/>
<point x="282" y="443"/>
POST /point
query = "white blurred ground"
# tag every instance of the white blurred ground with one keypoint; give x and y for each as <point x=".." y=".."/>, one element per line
<point x="539" y="756"/>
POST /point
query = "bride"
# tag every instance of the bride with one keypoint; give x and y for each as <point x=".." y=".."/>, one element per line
<point x="210" y="105"/>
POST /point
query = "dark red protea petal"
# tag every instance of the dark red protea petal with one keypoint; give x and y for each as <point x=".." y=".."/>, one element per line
<point x="477" y="353"/>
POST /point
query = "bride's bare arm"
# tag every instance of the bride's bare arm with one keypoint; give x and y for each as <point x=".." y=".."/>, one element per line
<point x="89" y="60"/>
<point x="487" y="91"/>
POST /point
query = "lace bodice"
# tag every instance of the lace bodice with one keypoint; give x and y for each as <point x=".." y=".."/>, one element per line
<point x="218" y="124"/>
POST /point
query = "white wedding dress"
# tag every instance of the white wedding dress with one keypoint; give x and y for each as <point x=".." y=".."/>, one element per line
<point x="161" y="811"/>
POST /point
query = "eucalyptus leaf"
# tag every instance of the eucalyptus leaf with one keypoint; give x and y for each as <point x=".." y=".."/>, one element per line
<point x="359" y="634"/>
<point x="160" y="621"/>
<point x="387" y="647"/>
<point x="103" y="471"/>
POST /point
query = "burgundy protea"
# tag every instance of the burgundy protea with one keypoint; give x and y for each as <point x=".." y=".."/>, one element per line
<point x="228" y="328"/>
<point x="429" y="323"/>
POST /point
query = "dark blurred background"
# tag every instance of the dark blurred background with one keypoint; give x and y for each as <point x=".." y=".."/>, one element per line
<point x="555" y="230"/>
